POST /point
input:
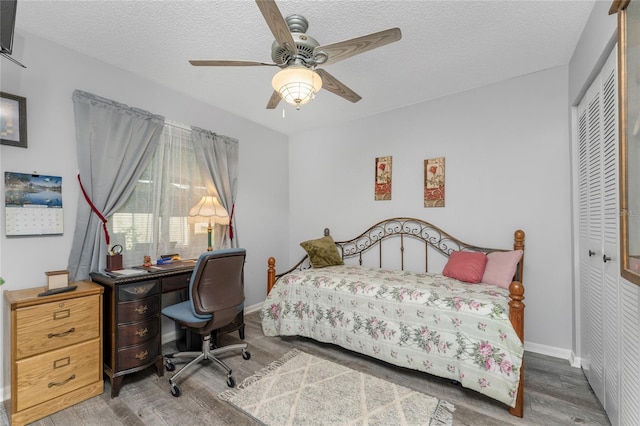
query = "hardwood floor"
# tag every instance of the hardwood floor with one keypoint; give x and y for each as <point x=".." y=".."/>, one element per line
<point x="555" y="393"/>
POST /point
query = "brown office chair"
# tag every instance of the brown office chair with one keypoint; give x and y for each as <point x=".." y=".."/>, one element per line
<point x="216" y="295"/>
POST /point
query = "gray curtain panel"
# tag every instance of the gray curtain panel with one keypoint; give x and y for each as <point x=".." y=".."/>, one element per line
<point x="115" y="144"/>
<point x="218" y="160"/>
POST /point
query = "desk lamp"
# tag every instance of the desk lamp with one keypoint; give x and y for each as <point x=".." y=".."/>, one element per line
<point x="209" y="208"/>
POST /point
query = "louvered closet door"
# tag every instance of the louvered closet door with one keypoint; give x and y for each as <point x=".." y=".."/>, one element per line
<point x="610" y="234"/>
<point x="598" y="236"/>
<point x="591" y="217"/>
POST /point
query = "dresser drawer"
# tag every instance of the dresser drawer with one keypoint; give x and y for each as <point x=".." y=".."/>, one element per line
<point x="47" y="376"/>
<point x="138" y="291"/>
<point x="49" y="326"/>
<point x="138" y="332"/>
<point x="138" y="355"/>
<point x="138" y="310"/>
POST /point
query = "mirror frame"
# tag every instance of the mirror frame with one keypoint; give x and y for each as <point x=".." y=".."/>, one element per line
<point x="629" y="266"/>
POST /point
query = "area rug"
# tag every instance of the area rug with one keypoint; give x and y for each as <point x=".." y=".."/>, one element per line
<point x="302" y="389"/>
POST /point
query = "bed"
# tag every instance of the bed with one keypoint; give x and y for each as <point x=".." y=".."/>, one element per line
<point x="465" y="323"/>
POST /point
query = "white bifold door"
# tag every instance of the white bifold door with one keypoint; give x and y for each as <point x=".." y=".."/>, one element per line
<point x="598" y="216"/>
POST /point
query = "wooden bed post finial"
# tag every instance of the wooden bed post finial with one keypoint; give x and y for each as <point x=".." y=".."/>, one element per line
<point x="518" y="240"/>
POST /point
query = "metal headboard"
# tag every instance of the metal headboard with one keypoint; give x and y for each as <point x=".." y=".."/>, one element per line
<point x="399" y="227"/>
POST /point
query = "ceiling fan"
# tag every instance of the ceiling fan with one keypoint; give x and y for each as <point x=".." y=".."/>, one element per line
<point x="299" y="56"/>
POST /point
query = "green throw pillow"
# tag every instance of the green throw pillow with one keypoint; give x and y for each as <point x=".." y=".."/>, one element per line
<point x="322" y="252"/>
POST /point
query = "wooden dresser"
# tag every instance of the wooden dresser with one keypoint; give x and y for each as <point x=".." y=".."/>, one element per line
<point x="52" y="350"/>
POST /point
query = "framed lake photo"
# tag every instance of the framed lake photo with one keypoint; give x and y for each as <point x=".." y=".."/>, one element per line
<point x="13" y="120"/>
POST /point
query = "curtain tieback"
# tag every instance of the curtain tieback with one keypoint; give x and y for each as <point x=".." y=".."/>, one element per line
<point x="95" y="210"/>
<point x="233" y="207"/>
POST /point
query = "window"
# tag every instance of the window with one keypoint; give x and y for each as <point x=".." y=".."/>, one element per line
<point x="154" y="221"/>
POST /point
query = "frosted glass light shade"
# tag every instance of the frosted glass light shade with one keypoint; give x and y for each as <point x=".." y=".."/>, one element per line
<point x="296" y="84"/>
<point x="209" y="207"/>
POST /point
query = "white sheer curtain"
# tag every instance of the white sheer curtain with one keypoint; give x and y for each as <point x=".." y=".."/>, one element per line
<point x="154" y="221"/>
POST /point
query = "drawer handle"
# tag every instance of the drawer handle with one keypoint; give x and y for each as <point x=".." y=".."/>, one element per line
<point x="52" y="384"/>
<point x="71" y="330"/>
<point x="142" y="355"/>
<point x="142" y="333"/>
<point x="140" y="290"/>
<point x="142" y="309"/>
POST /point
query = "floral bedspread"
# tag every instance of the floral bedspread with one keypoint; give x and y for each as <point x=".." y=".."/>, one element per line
<point x="425" y="322"/>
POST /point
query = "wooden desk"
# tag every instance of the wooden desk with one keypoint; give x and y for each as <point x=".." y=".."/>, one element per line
<point x="133" y="319"/>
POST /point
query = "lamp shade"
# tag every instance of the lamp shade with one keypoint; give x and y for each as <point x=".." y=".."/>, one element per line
<point x="209" y="207"/>
<point x="296" y="84"/>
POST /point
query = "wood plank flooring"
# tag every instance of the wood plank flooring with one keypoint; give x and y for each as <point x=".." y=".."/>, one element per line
<point x="555" y="392"/>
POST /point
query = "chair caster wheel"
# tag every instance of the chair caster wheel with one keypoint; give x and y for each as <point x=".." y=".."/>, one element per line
<point x="246" y="355"/>
<point x="231" y="382"/>
<point x="169" y="366"/>
<point x="176" y="391"/>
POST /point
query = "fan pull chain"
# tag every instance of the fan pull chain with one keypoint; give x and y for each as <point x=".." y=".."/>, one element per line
<point x="283" y="114"/>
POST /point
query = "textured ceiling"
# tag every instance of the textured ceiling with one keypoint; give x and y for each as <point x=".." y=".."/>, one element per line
<point x="447" y="47"/>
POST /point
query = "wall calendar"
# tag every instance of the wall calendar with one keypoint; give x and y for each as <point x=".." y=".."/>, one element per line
<point x="33" y="204"/>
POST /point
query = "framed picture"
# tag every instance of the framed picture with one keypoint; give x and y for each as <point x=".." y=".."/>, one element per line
<point x="13" y="120"/>
<point x="383" y="179"/>
<point x="434" y="182"/>
<point x="629" y="131"/>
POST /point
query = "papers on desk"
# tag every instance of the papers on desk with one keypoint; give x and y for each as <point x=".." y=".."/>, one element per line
<point x="126" y="272"/>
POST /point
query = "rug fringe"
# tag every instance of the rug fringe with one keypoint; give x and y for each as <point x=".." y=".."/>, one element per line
<point x="229" y="394"/>
<point x="443" y="416"/>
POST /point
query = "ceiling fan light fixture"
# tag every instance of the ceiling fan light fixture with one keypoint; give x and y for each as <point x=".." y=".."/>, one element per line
<point x="296" y="84"/>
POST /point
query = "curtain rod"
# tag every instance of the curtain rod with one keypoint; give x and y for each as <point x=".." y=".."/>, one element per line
<point x="178" y="125"/>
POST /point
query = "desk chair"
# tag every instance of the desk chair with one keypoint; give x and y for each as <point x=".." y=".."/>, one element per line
<point x="216" y="295"/>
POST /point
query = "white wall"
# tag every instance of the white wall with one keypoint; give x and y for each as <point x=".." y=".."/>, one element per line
<point x="507" y="167"/>
<point x="596" y="41"/>
<point x="52" y="74"/>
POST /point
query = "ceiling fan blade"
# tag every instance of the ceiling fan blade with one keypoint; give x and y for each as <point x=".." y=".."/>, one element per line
<point x="277" y="24"/>
<point x="223" y="63"/>
<point x="348" y="48"/>
<point x="274" y="100"/>
<point x="330" y="83"/>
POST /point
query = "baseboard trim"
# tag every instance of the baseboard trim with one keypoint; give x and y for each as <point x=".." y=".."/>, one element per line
<point x="253" y="308"/>
<point x="554" y="352"/>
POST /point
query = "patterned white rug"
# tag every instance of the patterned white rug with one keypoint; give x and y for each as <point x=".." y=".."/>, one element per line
<point x="301" y="389"/>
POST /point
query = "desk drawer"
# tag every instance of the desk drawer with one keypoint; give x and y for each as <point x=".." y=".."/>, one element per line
<point x="49" y="326"/>
<point x="138" y="310"/>
<point x="138" y="355"/>
<point x="135" y="291"/>
<point x="138" y="332"/>
<point x="176" y="282"/>
<point x="47" y="376"/>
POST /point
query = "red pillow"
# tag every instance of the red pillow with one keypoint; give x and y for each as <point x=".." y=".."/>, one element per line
<point x="467" y="266"/>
